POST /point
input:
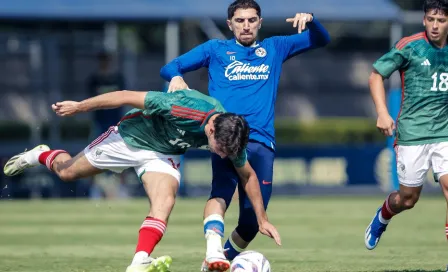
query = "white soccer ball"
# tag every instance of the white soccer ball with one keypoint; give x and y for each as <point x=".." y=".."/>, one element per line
<point x="250" y="261"/>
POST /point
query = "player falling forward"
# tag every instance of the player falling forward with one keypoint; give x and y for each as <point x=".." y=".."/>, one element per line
<point x="244" y="75"/>
<point x="151" y="138"/>
<point x="422" y="126"/>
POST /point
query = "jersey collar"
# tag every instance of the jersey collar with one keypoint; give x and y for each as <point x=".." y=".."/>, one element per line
<point x="208" y="116"/>
<point x="255" y="44"/>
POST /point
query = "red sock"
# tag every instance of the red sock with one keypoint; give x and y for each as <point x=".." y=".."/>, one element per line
<point x="386" y="211"/>
<point x="150" y="234"/>
<point x="47" y="157"/>
<point x="446" y="231"/>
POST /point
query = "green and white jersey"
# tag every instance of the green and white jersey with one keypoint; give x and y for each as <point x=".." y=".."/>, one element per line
<point x="423" y="67"/>
<point x="172" y="122"/>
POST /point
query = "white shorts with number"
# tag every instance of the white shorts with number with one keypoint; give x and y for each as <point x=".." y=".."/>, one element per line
<point x="414" y="161"/>
<point x="110" y="152"/>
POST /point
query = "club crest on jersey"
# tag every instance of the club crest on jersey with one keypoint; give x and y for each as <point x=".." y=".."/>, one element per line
<point x="260" y="52"/>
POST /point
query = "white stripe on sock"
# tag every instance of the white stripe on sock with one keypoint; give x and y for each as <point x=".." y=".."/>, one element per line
<point x="382" y="220"/>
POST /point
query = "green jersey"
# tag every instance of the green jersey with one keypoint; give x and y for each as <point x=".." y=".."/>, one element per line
<point x="423" y="67"/>
<point x="172" y="122"/>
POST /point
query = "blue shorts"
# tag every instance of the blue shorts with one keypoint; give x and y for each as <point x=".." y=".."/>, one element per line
<point x="225" y="178"/>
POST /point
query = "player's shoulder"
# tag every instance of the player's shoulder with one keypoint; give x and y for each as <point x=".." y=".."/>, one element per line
<point x="194" y="94"/>
<point x="272" y="39"/>
<point x="217" y="42"/>
<point x="201" y="100"/>
<point x="410" y="41"/>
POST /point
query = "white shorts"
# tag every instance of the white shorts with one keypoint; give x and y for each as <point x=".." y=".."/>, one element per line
<point x="414" y="161"/>
<point x="110" y="152"/>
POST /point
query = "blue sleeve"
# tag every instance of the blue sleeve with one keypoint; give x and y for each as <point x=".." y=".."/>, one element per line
<point x="290" y="46"/>
<point x="194" y="59"/>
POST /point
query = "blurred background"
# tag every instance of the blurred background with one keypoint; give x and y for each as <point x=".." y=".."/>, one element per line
<point x="52" y="50"/>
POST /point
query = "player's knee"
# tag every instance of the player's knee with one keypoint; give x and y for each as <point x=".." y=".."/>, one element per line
<point x="221" y="201"/>
<point x="410" y="203"/>
<point x="409" y="199"/>
<point x="247" y="232"/>
<point x="170" y="200"/>
<point x="68" y="175"/>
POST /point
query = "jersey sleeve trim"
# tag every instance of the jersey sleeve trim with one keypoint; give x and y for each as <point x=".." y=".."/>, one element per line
<point x="188" y="113"/>
<point x="405" y="41"/>
<point x="134" y="115"/>
<point x="207" y="116"/>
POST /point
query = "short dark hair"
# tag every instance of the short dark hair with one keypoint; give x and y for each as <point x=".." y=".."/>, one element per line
<point x="438" y="5"/>
<point x="231" y="133"/>
<point x="242" y="4"/>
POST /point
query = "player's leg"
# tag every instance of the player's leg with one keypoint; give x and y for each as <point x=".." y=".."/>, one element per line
<point x="440" y="168"/>
<point x="58" y="161"/>
<point x="443" y="180"/>
<point x="261" y="159"/>
<point x="413" y="163"/>
<point x="224" y="183"/>
<point x="95" y="157"/>
<point x="160" y="178"/>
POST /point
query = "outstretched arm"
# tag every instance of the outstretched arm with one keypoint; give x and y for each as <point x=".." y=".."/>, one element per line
<point x="192" y="60"/>
<point x="104" y="101"/>
<point x="316" y="36"/>
<point x="252" y="187"/>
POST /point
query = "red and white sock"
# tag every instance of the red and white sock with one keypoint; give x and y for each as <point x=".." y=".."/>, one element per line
<point x="386" y="213"/>
<point x="47" y="157"/>
<point x="150" y="234"/>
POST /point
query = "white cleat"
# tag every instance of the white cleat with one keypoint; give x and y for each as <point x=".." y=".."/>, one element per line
<point x="216" y="262"/>
<point x="24" y="160"/>
<point x="161" y="264"/>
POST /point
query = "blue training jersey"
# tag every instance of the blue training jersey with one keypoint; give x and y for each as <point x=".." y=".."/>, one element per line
<point x="245" y="79"/>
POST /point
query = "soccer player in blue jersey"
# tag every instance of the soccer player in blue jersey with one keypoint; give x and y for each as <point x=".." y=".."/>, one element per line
<point x="244" y="74"/>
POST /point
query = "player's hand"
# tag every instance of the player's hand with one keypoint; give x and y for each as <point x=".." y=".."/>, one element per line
<point x="300" y="21"/>
<point x="385" y="124"/>
<point x="66" y="108"/>
<point x="177" y="83"/>
<point x="268" y="229"/>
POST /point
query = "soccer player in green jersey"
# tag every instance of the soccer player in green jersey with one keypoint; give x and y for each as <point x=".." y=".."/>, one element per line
<point x="151" y="139"/>
<point x="421" y="129"/>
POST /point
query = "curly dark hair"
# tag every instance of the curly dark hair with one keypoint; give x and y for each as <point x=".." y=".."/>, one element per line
<point x="231" y="133"/>
<point x="243" y="4"/>
<point x="437" y="5"/>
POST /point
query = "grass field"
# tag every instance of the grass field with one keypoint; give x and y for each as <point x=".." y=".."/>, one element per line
<point x="319" y="234"/>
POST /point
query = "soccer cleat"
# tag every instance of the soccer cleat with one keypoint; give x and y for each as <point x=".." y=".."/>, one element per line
<point x="216" y="263"/>
<point x="374" y="231"/>
<point x="24" y="160"/>
<point x="161" y="264"/>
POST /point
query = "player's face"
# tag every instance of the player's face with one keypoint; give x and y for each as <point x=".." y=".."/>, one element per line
<point x="436" y="25"/>
<point x="245" y="24"/>
<point x="215" y="148"/>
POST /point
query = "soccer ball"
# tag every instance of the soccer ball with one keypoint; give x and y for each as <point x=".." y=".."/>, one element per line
<point x="250" y="261"/>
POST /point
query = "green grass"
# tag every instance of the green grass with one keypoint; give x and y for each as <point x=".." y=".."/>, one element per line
<point x="319" y="234"/>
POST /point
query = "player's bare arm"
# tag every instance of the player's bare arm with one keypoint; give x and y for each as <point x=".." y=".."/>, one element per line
<point x="251" y="186"/>
<point x="384" y="123"/>
<point x="104" y="101"/>
<point x="300" y="20"/>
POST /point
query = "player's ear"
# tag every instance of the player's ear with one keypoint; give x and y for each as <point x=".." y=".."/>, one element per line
<point x="261" y="21"/>
<point x="209" y="130"/>
<point x="229" y="24"/>
<point x="424" y="23"/>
